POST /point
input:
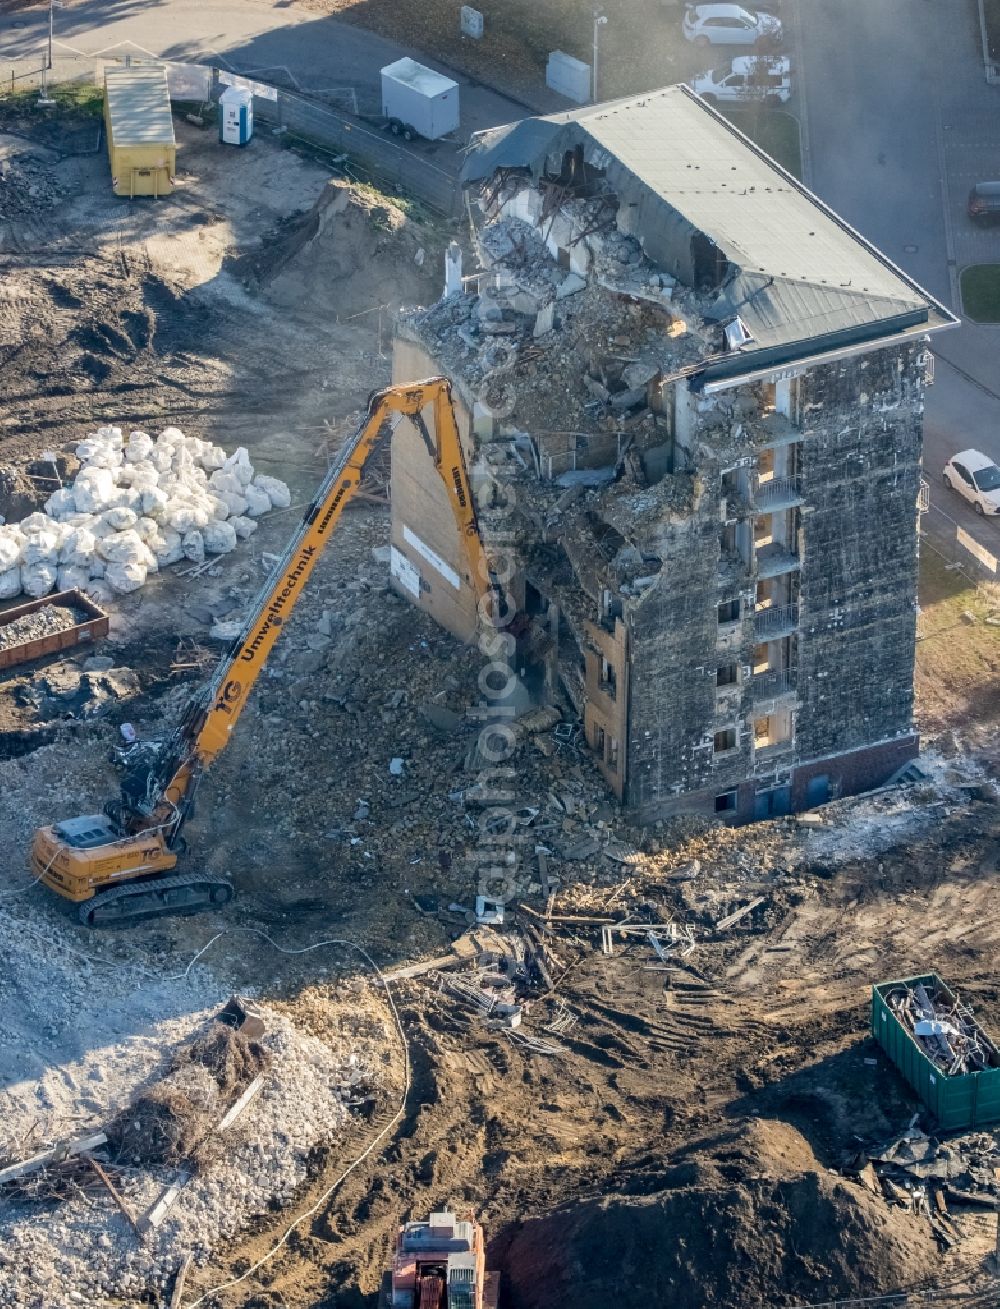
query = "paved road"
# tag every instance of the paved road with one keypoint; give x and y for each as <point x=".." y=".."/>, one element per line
<point x="901" y="122"/>
<point x="291" y="46"/>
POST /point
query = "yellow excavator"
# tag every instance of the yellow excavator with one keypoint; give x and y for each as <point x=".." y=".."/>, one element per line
<point x="119" y="865"/>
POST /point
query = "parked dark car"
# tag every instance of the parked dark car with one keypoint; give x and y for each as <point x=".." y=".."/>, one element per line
<point x="984" y="202"/>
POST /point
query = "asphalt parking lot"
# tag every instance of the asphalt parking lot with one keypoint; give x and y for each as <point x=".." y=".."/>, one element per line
<point x="900" y="123"/>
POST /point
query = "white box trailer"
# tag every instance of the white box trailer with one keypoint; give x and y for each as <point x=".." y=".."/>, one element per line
<point x="417" y="101"/>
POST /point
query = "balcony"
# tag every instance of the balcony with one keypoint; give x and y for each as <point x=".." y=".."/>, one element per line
<point x="774" y="623"/>
<point x="775" y="560"/>
<point x="778" y="493"/>
<point x="770" y="686"/>
<point x="773" y="429"/>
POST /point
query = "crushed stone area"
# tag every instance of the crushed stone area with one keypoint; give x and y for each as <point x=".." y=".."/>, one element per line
<point x="36" y="626"/>
<point x="85" y="1037"/>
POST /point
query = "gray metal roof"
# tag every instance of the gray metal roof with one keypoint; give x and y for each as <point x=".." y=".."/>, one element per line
<point x="139" y="105"/>
<point x="796" y="270"/>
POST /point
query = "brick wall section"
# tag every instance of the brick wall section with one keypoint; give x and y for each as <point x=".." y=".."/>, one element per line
<point x="861" y="447"/>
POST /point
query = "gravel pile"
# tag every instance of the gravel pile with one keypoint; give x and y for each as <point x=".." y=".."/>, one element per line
<point x="27" y="186"/>
<point x="36" y="626"/>
<point x="82" y="1036"/>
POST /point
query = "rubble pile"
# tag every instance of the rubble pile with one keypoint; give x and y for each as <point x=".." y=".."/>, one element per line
<point x="134" y="507"/>
<point x="924" y="1174"/>
<point x="42" y="623"/>
<point x="83" y="1039"/>
<point x="944" y="1029"/>
<point x="585" y="347"/>
<point x="170" y="1120"/>
<point x="28" y="185"/>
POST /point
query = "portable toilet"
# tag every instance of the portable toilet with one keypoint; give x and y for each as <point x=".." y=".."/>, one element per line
<point x="236" y="115"/>
<point x="139" y="127"/>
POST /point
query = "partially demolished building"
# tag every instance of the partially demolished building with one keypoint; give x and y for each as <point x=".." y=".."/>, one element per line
<point x="693" y="401"/>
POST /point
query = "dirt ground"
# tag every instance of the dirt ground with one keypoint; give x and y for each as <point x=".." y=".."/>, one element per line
<point x="663" y="1133"/>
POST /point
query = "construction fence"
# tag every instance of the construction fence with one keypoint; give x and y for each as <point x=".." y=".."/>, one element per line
<point x="361" y="149"/>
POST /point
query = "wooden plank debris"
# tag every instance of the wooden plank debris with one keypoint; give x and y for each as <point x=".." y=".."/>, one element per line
<point x="64" y="1150"/>
<point x="115" y="1194"/>
<point x="151" y="1220"/>
<point x="241" y="1104"/>
<point x="567" y="918"/>
<point x="428" y="966"/>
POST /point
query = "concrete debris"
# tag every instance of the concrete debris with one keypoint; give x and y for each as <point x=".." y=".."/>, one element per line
<point x="944" y="1029"/>
<point x="99" y="1030"/>
<point x="46" y="621"/>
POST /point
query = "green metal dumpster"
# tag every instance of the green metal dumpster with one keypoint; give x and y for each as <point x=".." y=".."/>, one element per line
<point x="959" y="1103"/>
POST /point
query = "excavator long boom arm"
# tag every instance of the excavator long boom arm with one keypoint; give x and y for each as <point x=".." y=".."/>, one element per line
<point x="238" y="671"/>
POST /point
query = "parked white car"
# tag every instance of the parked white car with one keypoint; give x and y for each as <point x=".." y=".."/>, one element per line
<point x="762" y="78"/>
<point x="977" y="477"/>
<point x="717" y="24"/>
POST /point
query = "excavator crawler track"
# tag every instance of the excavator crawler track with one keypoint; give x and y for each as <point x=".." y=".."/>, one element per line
<point x="155" y="898"/>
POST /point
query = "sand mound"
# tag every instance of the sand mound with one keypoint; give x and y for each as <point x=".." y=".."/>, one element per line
<point x="753" y="1218"/>
<point x="351" y="252"/>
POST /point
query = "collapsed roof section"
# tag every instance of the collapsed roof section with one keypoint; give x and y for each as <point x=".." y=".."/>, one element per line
<point x="713" y="211"/>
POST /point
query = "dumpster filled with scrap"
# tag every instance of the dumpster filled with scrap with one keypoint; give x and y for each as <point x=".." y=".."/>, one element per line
<point x="940" y="1048"/>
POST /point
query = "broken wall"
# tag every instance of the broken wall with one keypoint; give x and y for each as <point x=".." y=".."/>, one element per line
<point x="428" y="563"/>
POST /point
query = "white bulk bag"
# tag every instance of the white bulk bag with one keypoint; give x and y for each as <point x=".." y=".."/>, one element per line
<point x="10" y="550"/>
<point x="222" y="480"/>
<point x="240" y="466"/>
<point x="234" y="504"/>
<point x="219" y="538"/>
<point x="38" y="579"/>
<point x="275" y="490"/>
<point x="121" y="518"/>
<point x="60" y="503"/>
<point x="193" y="546"/>
<point x="124" y="577"/>
<point x="40" y="548"/>
<point x="258" y="501"/>
<point x="213" y="458"/>
<point x="168" y="549"/>
<point x="121" y="548"/>
<point x="71" y="577"/>
<point x="10" y="583"/>
<point x="154" y="501"/>
<point x="78" y="548"/>
<point x="139" y="447"/>
<point x="93" y="490"/>
<point x="243" y="527"/>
